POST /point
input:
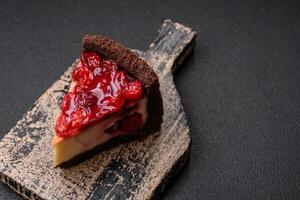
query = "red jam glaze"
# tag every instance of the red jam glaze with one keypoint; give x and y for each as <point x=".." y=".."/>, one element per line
<point x="131" y="123"/>
<point x="127" y="124"/>
<point x="101" y="89"/>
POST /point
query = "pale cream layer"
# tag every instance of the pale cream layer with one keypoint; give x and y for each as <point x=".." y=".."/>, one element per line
<point x="90" y="137"/>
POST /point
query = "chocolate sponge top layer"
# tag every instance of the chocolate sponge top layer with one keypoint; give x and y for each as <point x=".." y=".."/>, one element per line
<point x="123" y="56"/>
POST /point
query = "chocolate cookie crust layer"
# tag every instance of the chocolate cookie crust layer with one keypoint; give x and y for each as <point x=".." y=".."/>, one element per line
<point x="134" y="66"/>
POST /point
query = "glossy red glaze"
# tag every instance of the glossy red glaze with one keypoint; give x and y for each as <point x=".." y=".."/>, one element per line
<point x="127" y="124"/>
<point x="131" y="123"/>
<point x="101" y="89"/>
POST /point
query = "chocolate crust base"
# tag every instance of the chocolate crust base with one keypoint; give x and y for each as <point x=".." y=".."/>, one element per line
<point x="135" y="67"/>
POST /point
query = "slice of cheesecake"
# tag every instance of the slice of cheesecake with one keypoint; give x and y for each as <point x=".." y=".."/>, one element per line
<point x="113" y="94"/>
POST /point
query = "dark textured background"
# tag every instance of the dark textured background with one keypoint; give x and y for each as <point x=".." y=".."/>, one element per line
<point x="240" y="89"/>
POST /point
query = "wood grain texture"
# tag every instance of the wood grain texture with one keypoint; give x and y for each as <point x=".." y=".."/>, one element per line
<point x="135" y="170"/>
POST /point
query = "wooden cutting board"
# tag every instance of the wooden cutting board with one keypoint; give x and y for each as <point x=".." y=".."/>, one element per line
<point x="134" y="170"/>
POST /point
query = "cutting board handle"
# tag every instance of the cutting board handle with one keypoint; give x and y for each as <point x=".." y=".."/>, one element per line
<point x="173" y="44"/>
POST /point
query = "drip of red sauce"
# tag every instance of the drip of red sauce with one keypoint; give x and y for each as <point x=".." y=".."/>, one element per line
<point x="101" y="90"/>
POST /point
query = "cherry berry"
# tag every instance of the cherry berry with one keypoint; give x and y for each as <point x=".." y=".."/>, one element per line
<point x="133" y="91"/>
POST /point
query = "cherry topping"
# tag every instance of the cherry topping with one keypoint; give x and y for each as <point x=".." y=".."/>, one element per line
<point x="90" y="59"/>
<point x="101" y="89"/>
<point x="134" y="90"/>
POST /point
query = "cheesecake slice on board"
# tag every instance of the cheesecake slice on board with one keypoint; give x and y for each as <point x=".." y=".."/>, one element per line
<point x="113" y="94"/>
